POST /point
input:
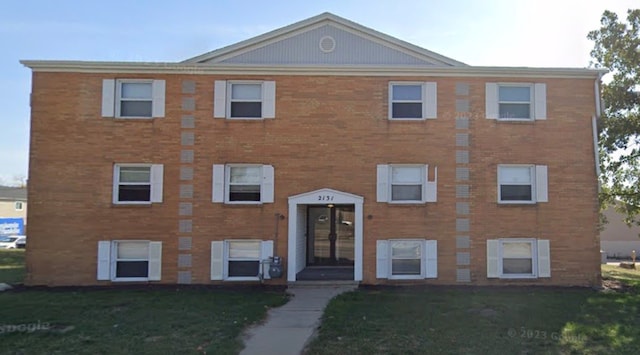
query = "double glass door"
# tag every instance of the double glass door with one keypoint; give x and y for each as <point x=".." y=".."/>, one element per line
<point x="330" y="235"/>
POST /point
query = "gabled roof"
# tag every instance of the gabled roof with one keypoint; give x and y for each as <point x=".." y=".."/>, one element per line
<point x="8" y="193"/>
<point x="345" y="43"/>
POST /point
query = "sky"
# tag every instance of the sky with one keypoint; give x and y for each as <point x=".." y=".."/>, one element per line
<point x="542" y="33"/>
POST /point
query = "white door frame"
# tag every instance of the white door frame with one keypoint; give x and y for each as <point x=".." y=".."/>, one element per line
<point x="324" y="197"/>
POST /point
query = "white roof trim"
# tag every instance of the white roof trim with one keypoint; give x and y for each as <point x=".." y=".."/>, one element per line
<point x="341" y="70"/>
<point x="317" y="21"/>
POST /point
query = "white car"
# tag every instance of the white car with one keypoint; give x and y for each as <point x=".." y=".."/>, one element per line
<point x="13" y="242"/>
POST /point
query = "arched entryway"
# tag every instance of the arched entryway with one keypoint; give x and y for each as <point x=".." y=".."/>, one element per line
<point x="338" y="205"/>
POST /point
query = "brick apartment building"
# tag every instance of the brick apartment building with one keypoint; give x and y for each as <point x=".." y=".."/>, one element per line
<point x="344" y="151"/>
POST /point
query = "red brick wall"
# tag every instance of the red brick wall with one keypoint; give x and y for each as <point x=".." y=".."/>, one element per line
<point x="329" y="132"/>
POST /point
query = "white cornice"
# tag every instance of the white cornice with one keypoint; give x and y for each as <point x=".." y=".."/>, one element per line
<point x="342" y="70"/>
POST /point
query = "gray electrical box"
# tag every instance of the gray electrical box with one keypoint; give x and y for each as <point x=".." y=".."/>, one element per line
<point x="275" y="267"/>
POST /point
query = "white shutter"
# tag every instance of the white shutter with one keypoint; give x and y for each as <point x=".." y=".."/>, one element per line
<point x="155" y="261"/>
<point x="116" y="179"/>
<point x="266" y="252"/>
<point x="544" y="259"/>
<point x="220" y="99"/>
<point x="108" y="97"/>
<point x="217" y="194"/>
<point x="266" y="193"/>
<point x="431" y="188"/>
<point x="217" y="260"/>
<point x="158" y="92"/>
<point x="540" y="101"/>
<point x="493" y="266"/>
<point x="431" y="259"/>
<point x="104" y="260"/>
<point x="430" y="100"/>
<point x="542" y="194"/>
<point x="382" y="259"/>
<point x="157" y="177"/>
<point x="382" y="194"/>
<point x="269" y="99"/>
<point x="491" y="100"/>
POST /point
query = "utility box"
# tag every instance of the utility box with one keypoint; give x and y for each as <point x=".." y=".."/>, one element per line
<point x="275" y="267"/>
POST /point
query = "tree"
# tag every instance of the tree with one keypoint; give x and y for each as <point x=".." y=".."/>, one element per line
<point x="617" y="48"/>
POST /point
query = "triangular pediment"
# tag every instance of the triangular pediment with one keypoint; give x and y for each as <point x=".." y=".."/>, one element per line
<point x="325" y="39"/>
<point x="325" y="196"/>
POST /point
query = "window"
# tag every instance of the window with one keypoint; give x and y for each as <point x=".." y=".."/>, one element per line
<point x="137" y="183"/>
<point x="522" y="183"/>
<point x="407" y="259"/>
<point x="406" y="184"/>
<point x="516" y="101"/>
<point x="19" y="206"/>
<point x="244" y="99"/>
<point x="412" y="100"/>
<point x="133" y="98"/>
<point x="518" y="258"/>
<point x="129" y="260"/>
<point x="240" y="260"/>
<point x="243" y="183"/>
<point x="243" y="259"/>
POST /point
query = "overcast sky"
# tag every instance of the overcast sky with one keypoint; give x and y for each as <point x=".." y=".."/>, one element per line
<point x="542" y="33"/>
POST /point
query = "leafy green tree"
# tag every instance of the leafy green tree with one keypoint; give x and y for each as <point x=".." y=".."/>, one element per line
<point x="617" y="48"/>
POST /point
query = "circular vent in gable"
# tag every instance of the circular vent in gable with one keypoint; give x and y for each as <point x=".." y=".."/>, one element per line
<point x="327" y="44"/>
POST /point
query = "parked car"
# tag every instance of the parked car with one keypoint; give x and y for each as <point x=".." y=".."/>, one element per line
<point x="13" y="242"/>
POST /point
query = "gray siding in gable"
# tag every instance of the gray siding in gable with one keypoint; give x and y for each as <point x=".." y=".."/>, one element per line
<point x="304" y="48"/>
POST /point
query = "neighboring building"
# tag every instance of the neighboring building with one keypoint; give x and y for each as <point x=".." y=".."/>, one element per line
<point x="324" y="142"/>
<point x="13" y="210"/>
<point x="617" y="239"/>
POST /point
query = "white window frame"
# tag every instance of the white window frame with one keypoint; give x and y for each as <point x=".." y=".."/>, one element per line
<point x="114" y="261"/>
<point x="532" y="174"/>
<point x="19" y="206"/>
<point x="119" y="98"/>
<point x="421" y="243"/>
<point x="421" y="101"/>
<point x="156" y="172"/>
<point x="227" y="184"/>
<point x="230" y="100"/>
<point x="534" y="258"/>
<point x="227" y="259"/>
<point x="531" y="102"/>
<point x="423" y="183"/>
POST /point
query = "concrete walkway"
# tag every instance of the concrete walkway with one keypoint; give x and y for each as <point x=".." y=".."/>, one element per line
<point x="288" y="328"/>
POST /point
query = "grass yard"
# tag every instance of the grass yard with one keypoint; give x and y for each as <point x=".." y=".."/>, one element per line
<point x="11" y="266"/>
<point x="485" y="320"/>
<point x="117" y="321"/>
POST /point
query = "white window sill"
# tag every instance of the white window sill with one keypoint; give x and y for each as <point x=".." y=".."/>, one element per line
<point x="515" y="120"/>
<point x="517" y="202"/>
<point x="406" y="202"/>
<point x="132" y="203"/>
<point x="130" y="279"/>
<point x="246" y="118"/>
<point x="245" y="203"/>
<point x="406" y="277"/>
<point x="407" y="119"/>
<point x="256" y="278"/>
<point x="518" y="276"/>
<point x="134" y="117"/>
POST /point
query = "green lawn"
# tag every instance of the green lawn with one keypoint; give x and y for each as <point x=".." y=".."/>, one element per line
<point x="116" y="321"/>
<point x="454" y="320"/>
<point x="11" y="266"/>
